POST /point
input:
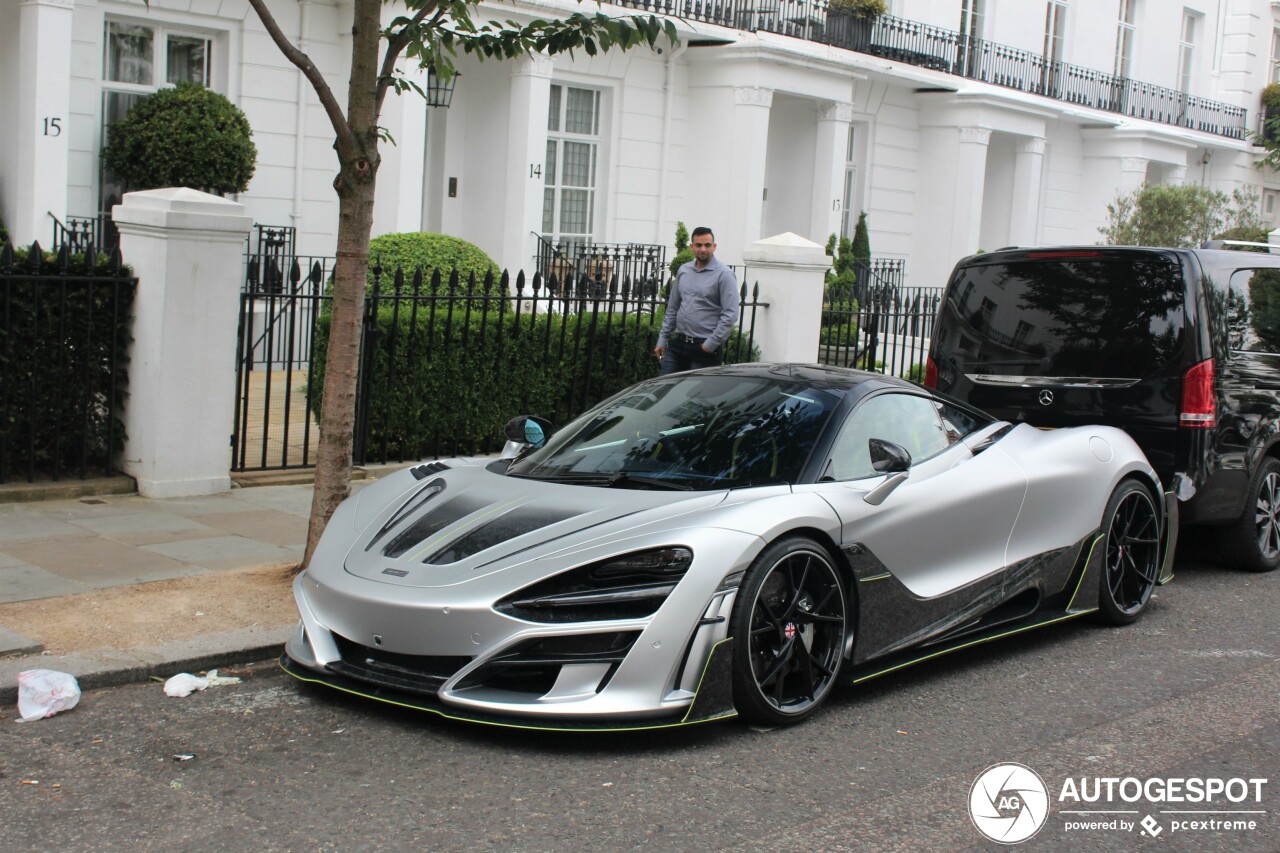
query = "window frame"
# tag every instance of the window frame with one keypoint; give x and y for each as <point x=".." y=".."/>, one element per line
<point x="1126" y="35"/>
<point x="1188" y="38"/>
<point x="558" y="140"/>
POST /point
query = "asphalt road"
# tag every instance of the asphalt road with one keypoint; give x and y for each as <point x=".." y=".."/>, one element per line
<point x="1191" y="690"/>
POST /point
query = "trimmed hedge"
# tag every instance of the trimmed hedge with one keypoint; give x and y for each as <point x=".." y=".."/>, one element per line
<point x="56" y="355"/>
<point x="450" y="386"/>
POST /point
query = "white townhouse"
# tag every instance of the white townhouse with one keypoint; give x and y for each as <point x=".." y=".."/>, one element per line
<point x="957" y="125"/>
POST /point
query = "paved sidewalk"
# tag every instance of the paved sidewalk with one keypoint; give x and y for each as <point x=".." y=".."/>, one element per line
<point x="59" y="548"/>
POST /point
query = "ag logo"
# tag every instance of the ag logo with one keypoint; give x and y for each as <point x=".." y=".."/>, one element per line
<point x="1008" y="803"/>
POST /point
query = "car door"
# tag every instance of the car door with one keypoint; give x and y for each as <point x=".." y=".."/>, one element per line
<point x="948" y="525"/>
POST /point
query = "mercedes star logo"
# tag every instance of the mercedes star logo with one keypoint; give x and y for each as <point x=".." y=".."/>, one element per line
<point x="1046" y="398"/>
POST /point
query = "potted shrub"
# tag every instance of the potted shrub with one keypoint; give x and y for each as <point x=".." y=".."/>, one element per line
<point x="849" y="22"/>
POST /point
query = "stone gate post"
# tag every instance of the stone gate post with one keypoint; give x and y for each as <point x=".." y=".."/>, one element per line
<point x="790" y="271"/>
<point x="187" y="250"/>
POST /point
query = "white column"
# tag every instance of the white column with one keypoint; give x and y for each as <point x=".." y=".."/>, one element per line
<point x="1177" y="175"/>
<point x="748" y="156"/>
<point x="522" y="207"/>
<point x="828" y="170"/>
<point x="1028" y="171"/>
<point x="953" y="168"/>
<point x="790" y="271"/>
<point x="186" y="248"/>
<point x="43" y="119"/>
<point x="1133" y="173"/>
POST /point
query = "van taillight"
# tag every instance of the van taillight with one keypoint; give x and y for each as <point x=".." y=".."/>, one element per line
<point x="1199" y="410"/>
<point x="930" y="373"/>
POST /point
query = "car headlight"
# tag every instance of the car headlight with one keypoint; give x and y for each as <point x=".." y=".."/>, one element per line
<point x="630" y="586"/>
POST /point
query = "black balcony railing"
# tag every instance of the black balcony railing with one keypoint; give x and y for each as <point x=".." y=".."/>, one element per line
<point x="927" y="46"/>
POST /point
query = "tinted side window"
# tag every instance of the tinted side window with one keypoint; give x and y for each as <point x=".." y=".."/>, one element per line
<point x="1253" y="310"/>
<point x="1105" y="317"/>
<point x="904" y="419"/>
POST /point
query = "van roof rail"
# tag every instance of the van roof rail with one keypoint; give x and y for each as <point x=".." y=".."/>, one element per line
<point x="1225" y="244"/>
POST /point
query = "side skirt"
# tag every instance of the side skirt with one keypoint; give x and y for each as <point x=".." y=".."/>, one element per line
<point x="885" y="666"/>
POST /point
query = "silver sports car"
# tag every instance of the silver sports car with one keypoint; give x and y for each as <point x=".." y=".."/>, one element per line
<point x="731" y="540"/>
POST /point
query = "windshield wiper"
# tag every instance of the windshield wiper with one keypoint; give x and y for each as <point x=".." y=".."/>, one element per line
<point x="623" y="477"/>
<point x="618" y="478"/>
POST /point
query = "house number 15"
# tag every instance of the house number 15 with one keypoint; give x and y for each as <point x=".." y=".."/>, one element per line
<point x="53" y="126"/>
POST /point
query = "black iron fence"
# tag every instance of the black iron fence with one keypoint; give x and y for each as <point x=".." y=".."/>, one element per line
<point x="889" y="331"/>
<point x="444" y="360"/>
<point x="927" y="46"/>
<point x="573" y="267"/>
<point x="64" y="330"/>
<point x="79" y="233"/>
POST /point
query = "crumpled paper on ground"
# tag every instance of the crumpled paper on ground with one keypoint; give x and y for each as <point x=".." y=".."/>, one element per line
<point x="44" y="692"/>
<point x="184" y="683"/>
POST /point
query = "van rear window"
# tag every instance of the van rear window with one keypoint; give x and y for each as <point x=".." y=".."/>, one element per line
<point x="1118" y="318"/>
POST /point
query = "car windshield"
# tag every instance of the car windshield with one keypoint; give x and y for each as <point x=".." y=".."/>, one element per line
<point x="692" y="432"/>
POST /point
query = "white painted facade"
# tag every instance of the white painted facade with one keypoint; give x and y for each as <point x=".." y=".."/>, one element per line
<point x="745" y="131"/>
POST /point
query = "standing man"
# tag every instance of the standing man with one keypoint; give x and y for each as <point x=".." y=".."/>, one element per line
<point x="701" y="310"/>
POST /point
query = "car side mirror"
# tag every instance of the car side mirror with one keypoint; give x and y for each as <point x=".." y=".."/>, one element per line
<point x="528" y="429"/>
<point x="887" y="457"/>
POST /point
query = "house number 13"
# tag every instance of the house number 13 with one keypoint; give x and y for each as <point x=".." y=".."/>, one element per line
<point x="53" y="126"/>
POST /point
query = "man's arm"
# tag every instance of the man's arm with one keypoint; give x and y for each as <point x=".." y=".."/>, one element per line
<point x="669" y="319"/>
<point x="729" y="303"/>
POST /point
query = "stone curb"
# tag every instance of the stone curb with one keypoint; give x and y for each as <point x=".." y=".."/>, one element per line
<point x="113" y="668"/>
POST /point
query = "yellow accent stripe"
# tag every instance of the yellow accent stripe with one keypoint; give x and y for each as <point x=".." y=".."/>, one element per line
<point x="977" y="642"/>
<point x="876" y="577"/>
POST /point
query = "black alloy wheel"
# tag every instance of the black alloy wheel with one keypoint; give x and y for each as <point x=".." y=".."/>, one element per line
<point x="1131" y="526"/>
<point x="1253" y="542"/>
<point x="789" y="625"/>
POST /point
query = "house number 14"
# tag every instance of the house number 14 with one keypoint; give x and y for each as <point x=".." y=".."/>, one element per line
<point x="53" y="126"/>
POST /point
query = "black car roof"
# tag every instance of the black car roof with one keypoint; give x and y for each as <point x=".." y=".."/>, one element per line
<point x="815" y="375"/>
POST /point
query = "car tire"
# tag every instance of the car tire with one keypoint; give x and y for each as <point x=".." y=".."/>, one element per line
<point x="1253" y="541"/>
<point x="789" y="625"/>
<point x="1131" y="560"/>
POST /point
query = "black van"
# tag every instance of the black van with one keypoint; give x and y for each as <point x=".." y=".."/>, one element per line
<point x="1179" y="347"/>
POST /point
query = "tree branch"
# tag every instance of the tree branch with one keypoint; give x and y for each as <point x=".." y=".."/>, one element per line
<point x="308" y="68"/>
<point x="395" y="46"/>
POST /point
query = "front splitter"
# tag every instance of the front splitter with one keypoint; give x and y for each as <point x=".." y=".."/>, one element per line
<point x="713" y="700"/>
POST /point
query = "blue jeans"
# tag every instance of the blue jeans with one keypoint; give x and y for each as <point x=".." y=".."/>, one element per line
<point x="681" y="355"/>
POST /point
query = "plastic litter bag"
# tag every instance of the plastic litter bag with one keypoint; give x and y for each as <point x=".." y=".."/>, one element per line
<point x="184" y="684"/>
<point x="44" y="692"/>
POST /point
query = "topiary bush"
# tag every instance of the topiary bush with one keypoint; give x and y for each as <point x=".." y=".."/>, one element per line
<point x="414" y="250"/>
<point x="683" y="253"/>
<point x="185" y="136"/>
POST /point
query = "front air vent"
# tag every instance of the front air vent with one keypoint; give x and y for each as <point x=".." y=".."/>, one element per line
<point x="422" y="674"/>
<point x="501" y="529"/>
<point x="412" y="505"/>
<point x="533" y="666"/>
<point x="630" y="586"/>
<point x="422" y="472"/>
<point x="431" y="523"/>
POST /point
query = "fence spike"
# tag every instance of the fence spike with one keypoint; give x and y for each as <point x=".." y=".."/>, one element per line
<point x="453" y="281"/>
<point x="117" y="260"/>
<point x="90" y="257"/>
<point x="505" y="282"/>
<point x="34" y="257"/>
<point x="317" y="273"/>
<point x="471" y="283"/>
<point x="755" y="292"/>
<point x="6" y="256"/>
<point x="64" y="258"/>
<point x="435" y="282"/>
<point x="488" y="281"/>
<point x="520" y="281"/>
<point x="417" y="281"/>
<point x="613" y="286"/>
<point x="626" y="287"/>
<point x="397" y="280"/>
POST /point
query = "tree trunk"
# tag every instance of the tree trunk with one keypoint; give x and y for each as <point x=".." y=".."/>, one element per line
<point x="355" y="185"/>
